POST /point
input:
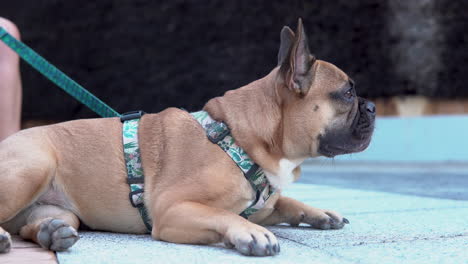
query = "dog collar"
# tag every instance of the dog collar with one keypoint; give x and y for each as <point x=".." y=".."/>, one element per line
<point x="132" y="156"/>
<point x="219" y="133"/>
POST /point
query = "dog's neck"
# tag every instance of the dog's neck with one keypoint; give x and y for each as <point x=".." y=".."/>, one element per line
<point x="262" y="138"/>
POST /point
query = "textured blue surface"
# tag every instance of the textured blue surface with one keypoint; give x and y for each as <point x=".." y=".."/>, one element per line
<point x="384" y="228"/>
<point x="439" y="180"/>
<point x="418" y="139"/>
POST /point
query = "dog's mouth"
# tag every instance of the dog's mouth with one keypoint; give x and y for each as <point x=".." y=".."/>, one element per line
<point x="331" y="150"/>
<point x="355" y="138"/>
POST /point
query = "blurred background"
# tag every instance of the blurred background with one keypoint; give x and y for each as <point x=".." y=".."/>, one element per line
<point x="406" y="194"/>
<point x="409" y="56"/>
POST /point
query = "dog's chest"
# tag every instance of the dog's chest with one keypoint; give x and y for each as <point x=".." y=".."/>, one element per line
<point x="284" y="175"/>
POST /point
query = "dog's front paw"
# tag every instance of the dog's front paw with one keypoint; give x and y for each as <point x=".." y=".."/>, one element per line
<point x="325" y="219"/>
<point x="56" y="235"/>
<point x="5" y="242"/>
<point x="252" y="240"/>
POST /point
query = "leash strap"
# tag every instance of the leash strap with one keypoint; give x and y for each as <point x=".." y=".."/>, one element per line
<point x="130" y="120"/>
<point x="132" y="156"/>
<point x="219" y="133"/>
<point x="57" y="76"/>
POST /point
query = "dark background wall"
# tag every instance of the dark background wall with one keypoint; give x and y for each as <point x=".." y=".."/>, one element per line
<point x="150" y="55"/>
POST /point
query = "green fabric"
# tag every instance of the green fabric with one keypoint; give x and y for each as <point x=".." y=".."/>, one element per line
<point x="56" y="76"/>
<point x="135" y="174"/>
<point x="131" y="149"/>
<point x="253" y="173"/>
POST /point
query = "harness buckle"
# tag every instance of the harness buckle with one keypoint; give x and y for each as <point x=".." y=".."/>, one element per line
<point x="131" y="194"/>
<point x="217" y="137"/>
<point x="135" y="180"/>
<point x="131" y="115"/>
<point x="217" y="131"/>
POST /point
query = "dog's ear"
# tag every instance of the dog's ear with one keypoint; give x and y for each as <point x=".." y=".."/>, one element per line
<point x="287" y="39"/>
<point x="298" y="63"/>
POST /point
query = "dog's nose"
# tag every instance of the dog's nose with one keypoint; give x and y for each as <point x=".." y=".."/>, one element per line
<point x="370" y="106"/>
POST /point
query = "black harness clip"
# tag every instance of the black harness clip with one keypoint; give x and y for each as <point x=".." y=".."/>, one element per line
<point x="131" y="115"/>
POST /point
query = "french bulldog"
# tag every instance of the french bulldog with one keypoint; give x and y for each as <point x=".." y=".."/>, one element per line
<point x="53" y="178"/>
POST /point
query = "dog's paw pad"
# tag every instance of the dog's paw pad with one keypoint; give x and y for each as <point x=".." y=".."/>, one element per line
<point x="57" y="235"/>
<point x="256" y="241"/>
<point x="5" y="242"/>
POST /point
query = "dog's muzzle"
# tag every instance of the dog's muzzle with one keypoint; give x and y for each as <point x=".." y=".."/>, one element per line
<point x="363" y="125"/>
<point x="350" y="138"/>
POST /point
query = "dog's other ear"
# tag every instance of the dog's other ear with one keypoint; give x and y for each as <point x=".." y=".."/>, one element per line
<point x="287" y="39"/>
<point x="300" y="61"/>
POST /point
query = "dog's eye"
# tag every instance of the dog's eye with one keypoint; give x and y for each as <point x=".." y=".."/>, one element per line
<point x="349" y="94"/>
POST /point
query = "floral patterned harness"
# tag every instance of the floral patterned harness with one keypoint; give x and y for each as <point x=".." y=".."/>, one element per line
<point x="135" y="176"/>
<point x="218" y="133"/>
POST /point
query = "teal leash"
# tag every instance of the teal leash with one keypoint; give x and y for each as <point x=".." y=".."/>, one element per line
<point x="252" y="171"/>
<point x="56" y="76"/>
<point x="130" y="130"/>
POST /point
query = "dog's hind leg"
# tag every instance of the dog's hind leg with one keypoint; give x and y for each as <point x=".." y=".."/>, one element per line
<point x="52" y="227"/>
<point x="27" y="166"/>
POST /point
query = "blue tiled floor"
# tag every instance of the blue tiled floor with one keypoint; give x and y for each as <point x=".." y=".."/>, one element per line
<point x="386" y="227"/>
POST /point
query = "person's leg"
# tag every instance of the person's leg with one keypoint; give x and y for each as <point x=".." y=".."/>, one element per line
<point x="10" y="85"/>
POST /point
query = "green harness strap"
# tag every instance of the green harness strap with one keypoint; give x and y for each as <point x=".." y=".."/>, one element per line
<point x="132" y="156"/>
<point x="217" y="132"/>
<point x="130" y="120"/>
<point x="57" y="76"/>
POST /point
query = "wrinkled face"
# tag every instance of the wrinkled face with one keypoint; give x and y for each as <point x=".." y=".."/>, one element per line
<point x="351" y="121"/>
<point x="333" y="120"/>
<point x="322" y="115"/>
